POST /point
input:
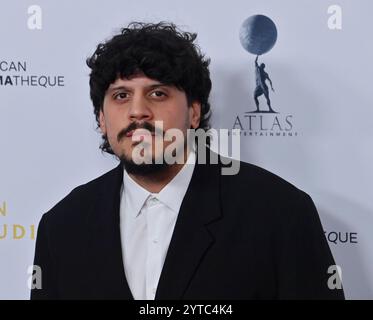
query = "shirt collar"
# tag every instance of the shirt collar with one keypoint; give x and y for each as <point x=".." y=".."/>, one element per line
<point x="134" y="195"/>
<point x="171" y="195"/>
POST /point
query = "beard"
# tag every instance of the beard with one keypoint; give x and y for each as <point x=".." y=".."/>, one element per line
<point x="143" y="169"/>
<point x="155" y="165"/>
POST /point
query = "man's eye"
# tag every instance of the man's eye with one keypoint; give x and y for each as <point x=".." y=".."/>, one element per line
<point x="158" y="94"/>
<point x="120" y="95"/>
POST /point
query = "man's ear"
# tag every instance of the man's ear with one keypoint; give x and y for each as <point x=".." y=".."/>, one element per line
<point x="102" y="123"/>
<point x="195" y="114"/>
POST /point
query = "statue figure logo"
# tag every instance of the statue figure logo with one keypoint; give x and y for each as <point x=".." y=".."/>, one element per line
<point x="258" y="35"/>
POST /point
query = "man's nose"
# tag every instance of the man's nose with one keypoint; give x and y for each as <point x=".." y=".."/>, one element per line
<point x="139" y="109"/>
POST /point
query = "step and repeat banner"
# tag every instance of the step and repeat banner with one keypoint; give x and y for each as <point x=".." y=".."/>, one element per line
<point x="315" y="128"/>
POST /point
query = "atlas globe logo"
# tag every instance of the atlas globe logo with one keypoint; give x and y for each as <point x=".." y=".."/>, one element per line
<point x="258" y="36"/>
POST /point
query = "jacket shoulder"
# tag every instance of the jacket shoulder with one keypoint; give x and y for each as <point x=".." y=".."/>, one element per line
<point x="81" y="198"/>
<point x="252" y="176"/>
<point x="265" y="193"/>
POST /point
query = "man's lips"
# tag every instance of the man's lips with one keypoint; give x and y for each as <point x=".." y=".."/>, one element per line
<point x="129" y="134"/>
<point x="138" y="132"/>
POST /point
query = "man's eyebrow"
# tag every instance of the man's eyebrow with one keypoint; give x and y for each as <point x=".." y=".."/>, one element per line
<point x="118" y="88"/>
<point x="156" y="85"/>
<point x="152" y="86"/>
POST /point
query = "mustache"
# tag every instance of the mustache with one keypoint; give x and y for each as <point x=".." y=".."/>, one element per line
<point x="143" y="125"/>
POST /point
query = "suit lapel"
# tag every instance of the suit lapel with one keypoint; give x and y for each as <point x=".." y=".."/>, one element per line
<point x="191" y="238"/>
<point x="104" y="244"/>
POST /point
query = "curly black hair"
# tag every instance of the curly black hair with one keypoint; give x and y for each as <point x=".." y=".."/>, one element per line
<point x="160" y="51"/>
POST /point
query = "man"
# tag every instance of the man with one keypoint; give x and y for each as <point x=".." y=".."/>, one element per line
<point x="261" y="87"/>
<point x="174" y="231"/>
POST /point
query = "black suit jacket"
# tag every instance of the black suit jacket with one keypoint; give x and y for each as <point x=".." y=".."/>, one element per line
<point x="248" y="236"/>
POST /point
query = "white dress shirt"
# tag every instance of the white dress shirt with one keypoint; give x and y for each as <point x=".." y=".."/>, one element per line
<point x="147" y="221"/>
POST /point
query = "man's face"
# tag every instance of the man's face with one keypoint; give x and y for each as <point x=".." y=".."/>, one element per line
<point x="138" y="101"/>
